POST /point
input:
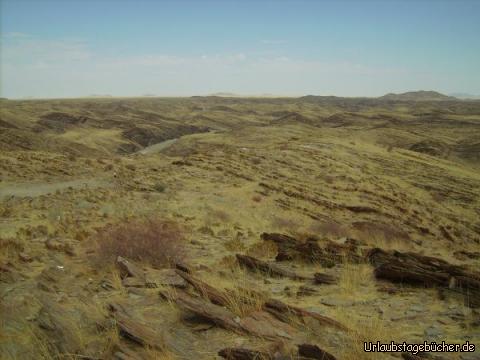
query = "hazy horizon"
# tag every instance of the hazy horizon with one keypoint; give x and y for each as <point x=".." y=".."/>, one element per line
<point x="57" y="49"/>
<point x="225" y="94"/>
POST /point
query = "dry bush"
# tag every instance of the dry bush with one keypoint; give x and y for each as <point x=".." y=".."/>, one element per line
<point x="256" y="198"/>
<point x="154" y="241"/>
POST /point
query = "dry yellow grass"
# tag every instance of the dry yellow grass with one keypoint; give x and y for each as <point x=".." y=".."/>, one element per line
<point x="367" y="329"/>
<point x="353" y="174"/>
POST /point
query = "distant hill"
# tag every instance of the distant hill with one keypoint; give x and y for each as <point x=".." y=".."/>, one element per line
<point x="465" y="96"/>
<point x="417" y="96"/>
<point x="225" y="94"/>
<point x="228" y="94"/>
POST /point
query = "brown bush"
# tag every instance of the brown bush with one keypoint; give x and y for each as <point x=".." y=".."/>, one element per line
<point x="257" y="198"/>
<point x="155" y="241"/>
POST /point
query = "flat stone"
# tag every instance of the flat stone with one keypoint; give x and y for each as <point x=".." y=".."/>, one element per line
<point x="306" y="291"/>
<point x="164" y="277"/>
<point x="133" y="282"/>
<point x="337" y="302"/>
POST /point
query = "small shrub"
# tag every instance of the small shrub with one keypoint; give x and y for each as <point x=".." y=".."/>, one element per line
<point x="257" y="198"/>
<point x="154" y="241"/>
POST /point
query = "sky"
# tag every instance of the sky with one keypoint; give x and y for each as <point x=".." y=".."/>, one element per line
<point x="74" y="48"/>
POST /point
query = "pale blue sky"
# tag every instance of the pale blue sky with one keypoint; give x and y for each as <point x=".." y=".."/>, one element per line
<point x="67" y="48"/>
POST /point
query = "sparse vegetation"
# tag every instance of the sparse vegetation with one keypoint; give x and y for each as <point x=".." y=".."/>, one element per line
<point x="332" y="178"/>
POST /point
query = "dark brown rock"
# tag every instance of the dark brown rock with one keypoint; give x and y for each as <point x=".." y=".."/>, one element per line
<point x="282" y="311"/>
<point x="321" y="278"/>
<point x="420" y="270"/>
<point x="243" y="354"/>
<point x="183" y="267"/>
<point x="133" y="282"/>
<point x="268" y="268"/>
<point x="259" y="323"/>
<point x="464" y="255"/>
<point x="283" y="241"/>
<point x="216" y="314"/>
<point x="138" y="332"/>
<point x="331" y="253"/>
<point x="205" y="290"/>
<point x="314" y="352"/>
<point x="263" y="324"/>
<point x="306" y="291"/>
<point x="129" y="268"/>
